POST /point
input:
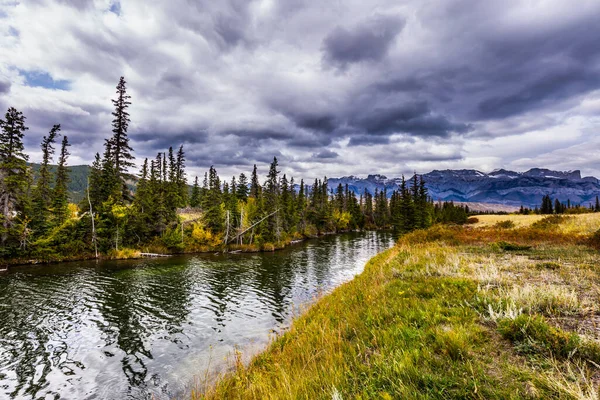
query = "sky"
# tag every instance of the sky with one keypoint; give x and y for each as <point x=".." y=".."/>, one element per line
<point x="328" y="87"/>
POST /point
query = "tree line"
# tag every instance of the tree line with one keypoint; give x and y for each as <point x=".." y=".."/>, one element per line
<point x="549" y="206"/>
<point x="37" y="220"/>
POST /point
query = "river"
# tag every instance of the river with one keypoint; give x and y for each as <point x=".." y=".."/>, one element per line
<point x="140" y="329"/>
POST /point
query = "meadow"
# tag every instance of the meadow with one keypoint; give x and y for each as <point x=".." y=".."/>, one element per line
<point x="504" y="308"/>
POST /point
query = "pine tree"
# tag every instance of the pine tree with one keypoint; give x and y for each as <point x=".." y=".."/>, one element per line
<point x="557" y="207"/>
<point x="254" y="184"/>
<point x="119" y="143"/>
<point x="13" y="169"/>
<point x="424" y="205"/>
<point x="42" y="195"/>
<point x="213" y="212"/>
<point x="271" y="202"/>
<point x="60" y="202"/>
<point x="109" y="179"/>
<point x="181" y="179"/>
<point x="195" y="198"/>
<point x="96" y="184"/>
<point x="242" y="188"/>
<point x="416" y="199"/>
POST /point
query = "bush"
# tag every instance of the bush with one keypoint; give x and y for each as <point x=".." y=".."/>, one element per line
<point x="507" y="224"/>
<point x="534" y="335"/>
<point x="594" y="240"/>
<point x="548" y="265"/>
<point x="472" y="220"/>
<point x="123" y="254"/>
<point x="172" y="240"/>
<point x="549" y="222"/>
<point x="506" y="246"/>
<point x="268" y="246"/>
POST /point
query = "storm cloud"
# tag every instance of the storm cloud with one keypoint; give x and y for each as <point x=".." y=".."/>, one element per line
<point x="369" y="40"/>
<point x="329" y="88"/>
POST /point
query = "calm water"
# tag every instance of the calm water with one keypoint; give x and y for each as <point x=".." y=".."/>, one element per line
<point x="137" y="329"/>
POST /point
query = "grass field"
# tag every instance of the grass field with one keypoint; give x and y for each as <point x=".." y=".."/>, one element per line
<point x="577" y="223"/>
<point x="485" y="312"/>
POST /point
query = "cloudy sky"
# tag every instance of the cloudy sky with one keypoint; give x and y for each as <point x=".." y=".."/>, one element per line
<point x="329" y="87"/>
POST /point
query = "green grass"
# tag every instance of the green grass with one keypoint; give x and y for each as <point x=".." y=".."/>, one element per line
<point x="441" y="315"/>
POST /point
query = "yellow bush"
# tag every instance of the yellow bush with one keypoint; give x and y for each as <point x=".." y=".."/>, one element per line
<point x="204" y="237"/>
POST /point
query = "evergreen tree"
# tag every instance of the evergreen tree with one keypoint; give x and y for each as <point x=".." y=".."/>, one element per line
<point x="558" y="208"/>
<point x="242" y="188"/>
<point x="271" y="203"/>
<point x="213" y="212"/>
<point x="195" y="199"/>
<point x="254" y="184"/>
<point x="60" y="202"/>
<point x="13" y="169"/>
<point x="42" y="195"/>
<point x="182" y="187"/>
<point x="95" y="182"/>
<point x="120" y="150"/>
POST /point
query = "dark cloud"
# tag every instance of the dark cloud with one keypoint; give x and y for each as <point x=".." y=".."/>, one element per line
<point x="325" y="154"/>
<point x="548" y="90"/>
<point x="411" y="118"/>
<point x="368" y="140"/>
<point x="4" y="87"/>
<point x="368" y="41"/>
<point x="315" y="121"/>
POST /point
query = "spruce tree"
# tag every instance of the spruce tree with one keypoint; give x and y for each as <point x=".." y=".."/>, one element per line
<point x="271" y="202"/>
<point x="254" y="184"/>
<point x="42" y="195"/>
<point x="119" y="143"/>
<point x="242" y="187"/>
<point x="13" y="169"/>
<point x="213" y="212"/>
<point x="195" y="198"/>
<point x="95" y="183"/>
<point x="60" y="202"/>
<point x="182" y="187"/>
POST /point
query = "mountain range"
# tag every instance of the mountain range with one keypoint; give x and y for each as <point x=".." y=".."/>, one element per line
<point x="497" y="187"/>
<point x="501" y="187"/>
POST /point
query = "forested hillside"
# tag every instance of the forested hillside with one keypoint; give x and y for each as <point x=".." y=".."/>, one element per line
<point x="78" y="175"/>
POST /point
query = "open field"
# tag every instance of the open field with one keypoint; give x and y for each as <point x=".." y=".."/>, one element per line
<point x="577" y="223"/>
<point x="449" y="312"/>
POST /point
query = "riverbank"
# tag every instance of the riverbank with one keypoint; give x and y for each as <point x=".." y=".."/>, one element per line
<point x="504" y="310"/>
<point x="133" y="253"/>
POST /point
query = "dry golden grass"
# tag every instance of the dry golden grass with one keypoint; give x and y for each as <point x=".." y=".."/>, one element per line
<point x="576" y="223"/>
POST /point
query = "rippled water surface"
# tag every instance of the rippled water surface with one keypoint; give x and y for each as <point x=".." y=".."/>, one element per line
<point x="151" y="328"/>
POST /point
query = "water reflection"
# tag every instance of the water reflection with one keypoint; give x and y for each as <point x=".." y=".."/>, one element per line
<point x="137" y="329"/>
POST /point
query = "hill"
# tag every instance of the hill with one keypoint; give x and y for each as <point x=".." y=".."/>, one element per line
<point x="78" y="182"/>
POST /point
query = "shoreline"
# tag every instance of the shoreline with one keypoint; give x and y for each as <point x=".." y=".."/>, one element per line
<point x="5" y="266"/>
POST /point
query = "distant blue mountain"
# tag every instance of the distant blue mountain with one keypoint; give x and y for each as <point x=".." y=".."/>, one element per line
<point x="497" y="187"/>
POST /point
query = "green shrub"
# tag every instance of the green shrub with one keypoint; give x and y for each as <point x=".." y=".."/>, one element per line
<point x="548" y="265"/>
<point x="534" y="335"/>
<point x="506" y="246"/>
<point x="549" y="222"/>
<point x="507" y="224"/>
<point x="171" y="239"/>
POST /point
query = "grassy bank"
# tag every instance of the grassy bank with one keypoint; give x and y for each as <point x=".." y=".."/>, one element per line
<point x="496" y="311"/>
